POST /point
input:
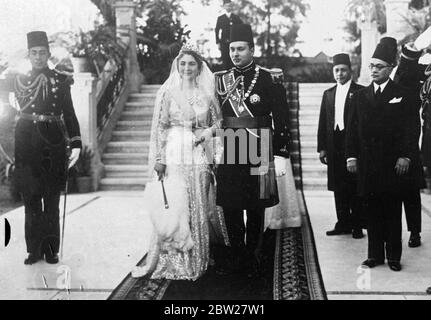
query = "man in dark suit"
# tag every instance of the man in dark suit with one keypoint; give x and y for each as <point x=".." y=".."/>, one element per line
<point x="222" y="32"/>
<point x="410" y="74"/>
<point x="250" y="99"/>
<point x="380" y="138"/>
<point x="46" y="120"/>
<point x="331" y="146"/>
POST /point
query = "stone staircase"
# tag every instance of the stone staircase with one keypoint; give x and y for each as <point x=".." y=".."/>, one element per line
<point x="126" y="155"/>
<point x="314" y="175"/>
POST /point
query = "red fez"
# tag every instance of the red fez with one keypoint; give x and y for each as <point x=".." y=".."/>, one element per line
<point x="37" y="39"/>
<point x="241" y="32"/>
<point x="341" y="58"/>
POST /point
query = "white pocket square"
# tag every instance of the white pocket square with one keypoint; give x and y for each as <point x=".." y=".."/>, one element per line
<point x="396" y="100"/>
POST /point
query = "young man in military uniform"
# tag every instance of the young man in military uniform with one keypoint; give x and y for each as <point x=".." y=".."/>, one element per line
<point x="222" y="32"/>
<point x="251" y="101"/>
<point x="46" y="121"/>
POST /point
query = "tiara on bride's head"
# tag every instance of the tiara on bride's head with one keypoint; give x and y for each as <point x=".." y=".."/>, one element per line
<point x="190" y="47"/>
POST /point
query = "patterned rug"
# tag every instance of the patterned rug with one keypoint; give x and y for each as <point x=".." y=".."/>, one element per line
<point x="290" y="268"/>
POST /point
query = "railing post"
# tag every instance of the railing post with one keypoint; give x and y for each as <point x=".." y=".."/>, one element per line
<point x="125" y="13"/>
<point x="84" y="100"/>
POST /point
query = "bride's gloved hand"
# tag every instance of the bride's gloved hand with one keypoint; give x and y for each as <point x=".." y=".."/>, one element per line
<point x="160" y="168"/>
<point x="205" y="137"/>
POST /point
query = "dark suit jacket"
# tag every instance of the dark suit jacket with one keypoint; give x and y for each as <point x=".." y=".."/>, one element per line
<point x="222" y="29"/>
<point x="411" y="74"/>
<point x="325" y="132"/>
<point x="378" y="134"/>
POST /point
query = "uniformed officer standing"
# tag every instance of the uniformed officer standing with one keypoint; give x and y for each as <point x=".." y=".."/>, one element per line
<point x="46" y="121"/>
<point x="250" y="100"/>
<point x="222" y="32"/>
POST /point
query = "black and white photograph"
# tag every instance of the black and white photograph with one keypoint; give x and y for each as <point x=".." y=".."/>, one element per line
<point x="231" y="152"/>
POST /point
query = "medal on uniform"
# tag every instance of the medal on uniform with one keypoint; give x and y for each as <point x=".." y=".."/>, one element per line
<point x="255" y="99"/>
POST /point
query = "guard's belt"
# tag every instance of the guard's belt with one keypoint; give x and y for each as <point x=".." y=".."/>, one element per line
<point x="247" y="122"/>
<point x="40" y="117"/>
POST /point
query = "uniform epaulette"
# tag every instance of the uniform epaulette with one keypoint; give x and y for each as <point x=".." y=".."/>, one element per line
<point x="220" y="73"/>
<point x="64" y="77"/>
<point x="276" y="74"/>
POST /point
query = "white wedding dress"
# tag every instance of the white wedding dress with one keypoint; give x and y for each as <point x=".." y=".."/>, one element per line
<point x="179" y="247"/>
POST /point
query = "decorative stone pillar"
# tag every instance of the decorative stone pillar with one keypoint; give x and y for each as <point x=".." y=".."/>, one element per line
<point x="125" y="13"/>
<point x="369" y="40"/>
<point x="396" y="18"/>
<point x="83" y="94"/>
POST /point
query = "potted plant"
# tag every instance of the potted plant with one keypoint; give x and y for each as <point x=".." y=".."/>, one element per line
<point x="91" y="50"/>
<point x="83" y="170"/>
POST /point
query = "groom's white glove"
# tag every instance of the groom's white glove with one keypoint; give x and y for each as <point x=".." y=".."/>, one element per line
<point x="74" y="156"/>
<point x="280" y="165"/>
<point x="424" y="40"/>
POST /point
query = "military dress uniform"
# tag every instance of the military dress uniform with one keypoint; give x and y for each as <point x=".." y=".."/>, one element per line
<point x="46" y="124"/>
<point x="254" y="106"/>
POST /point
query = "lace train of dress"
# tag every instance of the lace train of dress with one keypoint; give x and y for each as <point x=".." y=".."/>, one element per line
<point x="287" y="213"/>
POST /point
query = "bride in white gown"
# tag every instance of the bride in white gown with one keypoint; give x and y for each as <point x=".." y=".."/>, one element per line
<point x="185" y="118"/>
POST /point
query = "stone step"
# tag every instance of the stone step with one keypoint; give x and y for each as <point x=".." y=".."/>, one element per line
<point x="314" y="183"/>
<point x="127" y="147"/>
<point x="142" y="112"/>
<point x="141" y="125"/>
<point x="314" y="170"/>
<point x="150" y="87"/>
<point x="126" y="171"/>
<point x="142" y="95"/>
<point x="309" y="122"/>
<point x="147" y="107"/>
<point x="143" y="103"/>
<point x="131" y="135"/>
<point x="310" y="112"/>
<point x="110" y="184"/>
<point x="125" y="158"/>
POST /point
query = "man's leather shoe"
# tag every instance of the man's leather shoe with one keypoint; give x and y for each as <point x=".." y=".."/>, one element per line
<point x="32" y="258"/>
<point x="337" y="232"/>
<point x="394" y="265"/>
<point x="357" y="234"/>
<point x="415" y="240"/>
<point x="51" y="258"/>
<point x="371" y="263"/>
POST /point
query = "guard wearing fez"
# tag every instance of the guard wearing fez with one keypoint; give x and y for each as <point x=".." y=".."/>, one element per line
<point x="46" y="123"/>
<point x="252" y="98"/>
<point x="222" y="32"/>
<point x="380" y="147"/>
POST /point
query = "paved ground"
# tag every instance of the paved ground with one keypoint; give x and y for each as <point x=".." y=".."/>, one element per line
<point x="106" y="235"/>
<point x="340" y="258"/>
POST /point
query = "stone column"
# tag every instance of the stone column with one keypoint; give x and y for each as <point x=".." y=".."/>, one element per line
<point x="396" y="18"/>
<point x="125" y="13"/>
<point x="369" y="40"/>
<point x="83" y="94"/>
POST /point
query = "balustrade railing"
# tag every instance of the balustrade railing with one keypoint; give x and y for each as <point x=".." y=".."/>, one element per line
<point x="108" y="91"/>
